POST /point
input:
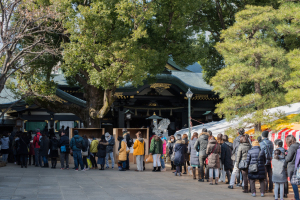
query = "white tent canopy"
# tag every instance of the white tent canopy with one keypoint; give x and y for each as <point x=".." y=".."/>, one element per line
<point x="221" y="126"/>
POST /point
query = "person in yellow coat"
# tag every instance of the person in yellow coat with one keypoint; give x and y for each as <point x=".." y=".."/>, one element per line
<point x="124" y="150"/>
<point x="138" y="151"/>
<point x="94" y="151"/>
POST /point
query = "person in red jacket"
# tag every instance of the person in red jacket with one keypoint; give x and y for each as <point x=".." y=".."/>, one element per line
<point x="36" y="145"/>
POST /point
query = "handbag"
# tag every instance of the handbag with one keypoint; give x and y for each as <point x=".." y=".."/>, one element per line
<point x="173" y="156"/>
<point x="243" y="164"/>
<point x="85" y="153"/>
<point x="206" y="160"/>
<point x="294" y="179"/>
<point x="253" y="168"/>
<point x="63" y="149"/>
<point x="149" y="159"/>
<point x="71" y="152"/>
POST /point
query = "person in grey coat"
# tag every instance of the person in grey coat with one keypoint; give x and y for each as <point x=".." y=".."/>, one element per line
<point x="109" y="150"/>
<point x="200" y="146"/>
<point x="193" y="155"/>
<point x="279" y="176"/>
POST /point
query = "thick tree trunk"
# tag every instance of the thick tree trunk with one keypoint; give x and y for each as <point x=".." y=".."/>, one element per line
<point x="257" y="127"/>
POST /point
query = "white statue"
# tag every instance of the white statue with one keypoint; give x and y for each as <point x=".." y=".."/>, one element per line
<point x="162" y="127"/>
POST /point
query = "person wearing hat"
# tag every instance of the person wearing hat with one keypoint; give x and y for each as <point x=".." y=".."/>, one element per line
<point x="267" y="146"/>
<point x="109" y="150"/>
<point x="76" y="145"/>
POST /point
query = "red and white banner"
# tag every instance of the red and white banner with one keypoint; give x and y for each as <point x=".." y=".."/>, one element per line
<point x="282" y="134"/>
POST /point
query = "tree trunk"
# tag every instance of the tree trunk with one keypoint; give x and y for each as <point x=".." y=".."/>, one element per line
<point x="2" y="81"/>
<point x="257" y="127"/>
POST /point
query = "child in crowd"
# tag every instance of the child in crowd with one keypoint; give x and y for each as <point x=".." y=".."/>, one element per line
<point x="279" y="176"/>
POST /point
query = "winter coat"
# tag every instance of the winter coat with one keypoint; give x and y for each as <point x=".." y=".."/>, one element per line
<point x="213" y="156"/>
<point x="252" y="158"/>
<point x="279" y="170"/>
<point x="186" y="155"/>
<point x="170" y="146"/>
<point x="22" y="146"/>
<point x="242" y="153"/>
<point x="64" y="141"/>
<point x="5" y="143"/>
<point x="226" y="150"/>
<point x="86" y="146"/>
<point x="180" y="150"/>
<point x="94" y="145"/>
<point x="139" y="147"/>
<point x="268" y="148"/>
<point x="36" y="140"/>
<point x="102" y="149"/>
<point x="201" y="144"/>
<point x="53" y="146"/>
<point x="123" y="151"/>
<point x="164" y="147"/>
<point x="44" y="148"/>
<point x="75" y="139"/>
<point x="236" y="144"/>
<point x="110" y="146"/>
<point x="290" y="158"/>
<point x="156" y="146"/>
<point x="193" y="153"/>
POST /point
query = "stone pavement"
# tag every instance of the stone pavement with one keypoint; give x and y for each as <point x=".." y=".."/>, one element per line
<point x="55" y="184"/>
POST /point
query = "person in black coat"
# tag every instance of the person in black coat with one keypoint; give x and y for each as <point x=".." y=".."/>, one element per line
<point x="44" y="148"/>
<point x="226" y="149"/>
<point x="22" y="149"/>
<point x="53" y="146"/>
<point x="102" y="152"/>
<point x="290" y="159"/>
<point x="256" y="156"/>
<point x="64" y="144"/>
<point x="180" y="150"/>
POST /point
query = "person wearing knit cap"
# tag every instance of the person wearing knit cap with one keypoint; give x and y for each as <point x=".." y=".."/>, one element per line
<point x="267" y="147"/>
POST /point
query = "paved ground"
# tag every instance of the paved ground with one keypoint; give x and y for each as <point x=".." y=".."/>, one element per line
<point x="39" y="183"/>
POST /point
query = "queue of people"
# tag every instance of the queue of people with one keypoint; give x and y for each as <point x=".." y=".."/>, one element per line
<point x="243" y="162"/>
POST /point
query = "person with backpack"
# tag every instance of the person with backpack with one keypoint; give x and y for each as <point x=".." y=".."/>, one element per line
<point x="77" y="145"/>
<point x="201" y="146"/>
<point x="256" y="160"/>
<point x="236" y="172"/>
<point x="279" y="176"/>
<point x="267" y="146"/>
<point x="291" y="158"/>
<point x="64" y="145"/>
<point x="213" y="151"/>
<point x="44" y="149"/>
<point x="53" y="146"/>
<point x="36" y="141"/>
<point x="109" y="150"/>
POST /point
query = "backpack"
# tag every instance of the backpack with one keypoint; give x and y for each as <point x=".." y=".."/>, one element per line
<point x="84" y="146"/>
<point x="129" y="142"/>
<point x="78" y="144"/>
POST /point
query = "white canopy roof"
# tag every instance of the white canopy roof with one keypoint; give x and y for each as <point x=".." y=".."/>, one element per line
<point x="221" y="126"/>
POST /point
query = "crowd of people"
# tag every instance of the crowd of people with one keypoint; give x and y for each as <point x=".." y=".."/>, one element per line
<point x="243" y="162"/>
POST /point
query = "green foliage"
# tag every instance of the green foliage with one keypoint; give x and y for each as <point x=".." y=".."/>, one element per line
<point x="113" y="42"/>
<point x="254" y="57"/>
<point x="213" y="17"/>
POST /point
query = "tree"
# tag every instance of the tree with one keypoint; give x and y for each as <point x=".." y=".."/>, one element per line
<point x="256" y="66"/>
<point x="213" y="17"/>
<point x="24" y="20"/>
<point x="115" y="42"/>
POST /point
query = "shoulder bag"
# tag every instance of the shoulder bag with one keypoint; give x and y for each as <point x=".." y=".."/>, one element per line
<point x="206" y="160"/>
<point x="243" y="164"/>
<point x="253" y="168"/>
